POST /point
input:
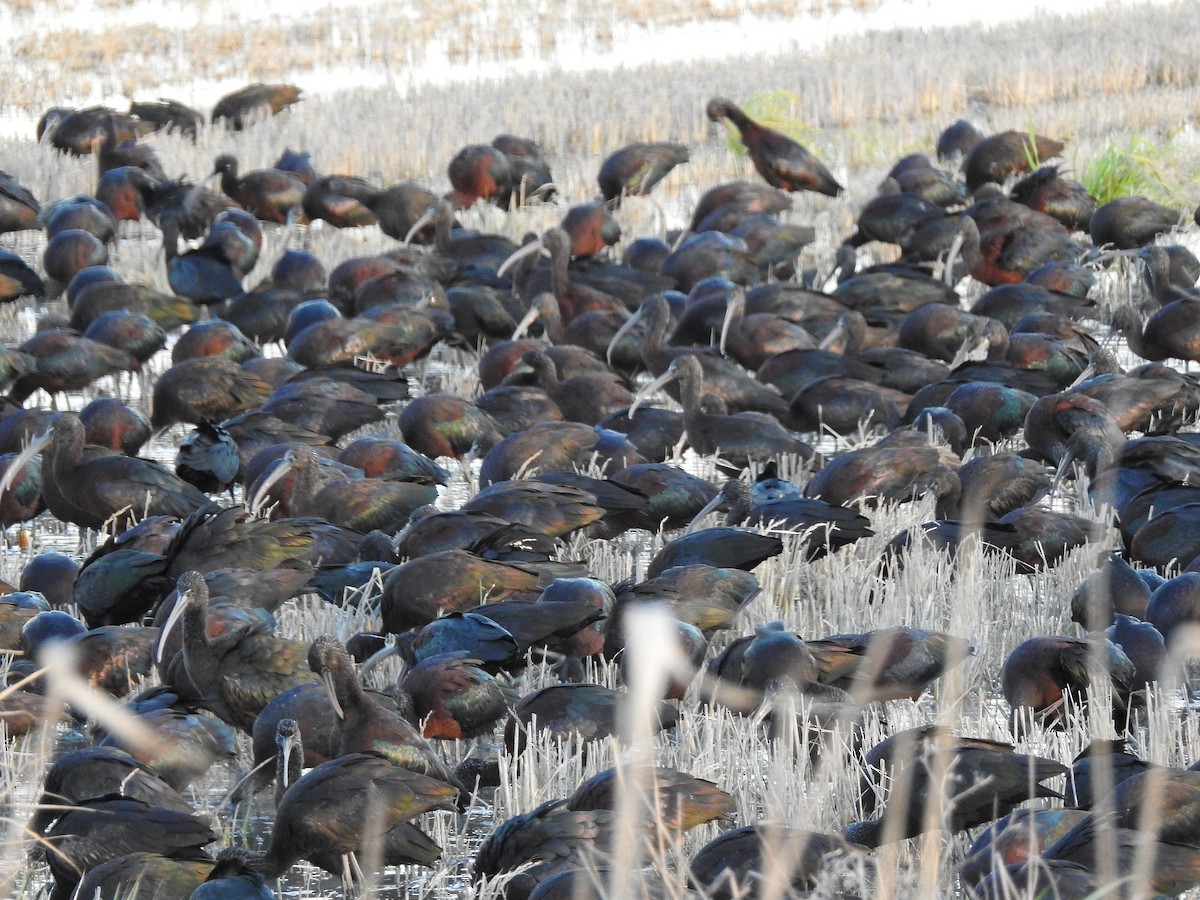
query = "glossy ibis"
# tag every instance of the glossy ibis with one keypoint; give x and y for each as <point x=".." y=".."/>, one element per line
<point x="779" y="159"/>
<point x="888" y="474"/>
<point x="636" y="168"/>
<point x="208" y="458"/>
<point x="453" y="697"/>
<point x="1042" y="672"/>
<point x="675" y="799"/>
<point x="90" y="489"/>
<point x="556" y="447"/>
<point x="94" y="772"/>
<point x="345" y="806"/>
<point x="939" y="780"/>
<point x="344" y="201"/>
<point x="209" y="388"/>
<point x="888" y="663"/>
<point x="100" y="830"/>
<point x="587" y="397"/>
<point x="235" y="677"/>
<point x="1046" y="191"/>
<point x="168" y="115"/>
<point x="362" y="504"/>
<point x="402" y="844"/>
<point x="823" y="527"/>
<point x="66" y="361"/>
<point x="737" y="438"/>
<point x="246" y="105"/>
<point x="1020" y="836"/>
<point x="269" y="194"/>
<point x="528" y="169"/>
<point x="551" y="509"/>
<point x="1127" y="223"/>
<point x="544" y="842"/>
<point x="957" y="139"/>
<point x="736" y="859"/>
<point x="205" y="275"/>
<point x="1171" y="332"/>
<point x="1004" y="241"/>
<point x="480" y="171"/>
<point x="1007" y="153"/>
<point x="418" y="591"/>
<point x="444" y="425"/>
<point x="17" y="279"/>
<point x="367" y="726"/>
<point x="18" y="207"/>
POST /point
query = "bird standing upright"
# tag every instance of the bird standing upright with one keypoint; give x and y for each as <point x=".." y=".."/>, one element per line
<point x="780" y="160"/>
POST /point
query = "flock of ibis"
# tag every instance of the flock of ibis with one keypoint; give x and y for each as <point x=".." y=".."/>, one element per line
<point x="822" y="400"/>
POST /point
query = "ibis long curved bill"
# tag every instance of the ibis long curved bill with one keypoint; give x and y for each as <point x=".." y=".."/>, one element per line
<point x="520" y="253"/>
<point x="32" y="449"/>
<point x="656" y="385"/>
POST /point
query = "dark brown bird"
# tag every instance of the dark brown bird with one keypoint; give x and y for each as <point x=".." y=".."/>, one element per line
<point x="544" y="842"/>
<point x="235" y="675"/>
<point x="673" y="798"/>
<point x="885" y="473"/>
<point x="1046" y="191"/>
<point x="253" y="102"/>
<point x="362" y="504"/>
<point x="528" y="169"/>
<point x="418" y="591"/>
<point x="80" y="131"/>
<point x="1003" y="241"/>
<point x="95" y="772"/>
<point x="444" y="425"/>
<point x="401" y="845"/>
<point x="17" y="279"/>
<point x="453" y="697"/>
<point x="591" y="227"/>
<point x="888" y="663"/>
<point x="551" y="509"/>
<point x="556" y="447"/>
<point x="1043" y="673"/>
<point x="344" y="805"/>
<point x="635" y="169"/>
<point x="18" y="207"/>
<point x="344" y="201"/>
<point x="994" y="158"/>
<point x="269" y="194"/>
<point x="89" y="489"/>
<point x="100" y="830"/>
<point x="66" y="361"/>
<point x="1171" y="332"/>
<point x="479" y="171"/>
<point x="147" y="873"/>
<point x="734" y="862"/>
<point x="736" y="438"/>
<point x="583" y="712"/>
<point x="940" y="780"/>
<point x="207" y="388"/>
<point x="779" y="159"/>
<point x="367" y="725"/>
<point x="957" y="139"/>
<point x="1131" y="222"/>
<point x="587" y="397"/>
<point x="168" y="115"/>
<point x="399" y="207"/>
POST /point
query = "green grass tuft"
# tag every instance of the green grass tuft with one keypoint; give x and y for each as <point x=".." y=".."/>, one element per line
<point x="1132" y="167"/>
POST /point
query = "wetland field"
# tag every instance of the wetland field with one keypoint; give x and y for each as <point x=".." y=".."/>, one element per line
<point x="393" y="90"/>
